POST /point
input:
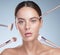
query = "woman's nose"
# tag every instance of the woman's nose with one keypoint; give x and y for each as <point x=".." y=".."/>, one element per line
<point x="27" y="26"/>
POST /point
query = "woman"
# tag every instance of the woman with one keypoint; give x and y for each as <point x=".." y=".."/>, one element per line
<point x="28" y="22"/>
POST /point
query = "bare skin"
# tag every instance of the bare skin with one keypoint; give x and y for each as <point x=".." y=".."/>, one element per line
<point x="35" y="48"/>
<point x="31" y="46"/>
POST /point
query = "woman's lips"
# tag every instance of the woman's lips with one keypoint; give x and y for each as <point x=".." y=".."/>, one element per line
<point x="28" y="34"/>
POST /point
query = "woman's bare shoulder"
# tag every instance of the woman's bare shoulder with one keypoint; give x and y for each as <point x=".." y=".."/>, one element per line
<point x="51" y="50"/>
<point x="11" y="51"/>
<point x="56" y="51"/>
<point x="8" y="51"/>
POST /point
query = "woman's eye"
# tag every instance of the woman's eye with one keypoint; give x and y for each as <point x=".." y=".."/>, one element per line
<point x="20" y="22"/>
<point x="33" y="20"/>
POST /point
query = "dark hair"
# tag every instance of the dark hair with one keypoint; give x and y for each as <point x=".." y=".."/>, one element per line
<point x="28" y="4"/>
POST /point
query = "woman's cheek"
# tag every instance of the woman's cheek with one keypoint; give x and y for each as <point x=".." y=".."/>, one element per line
<point x="21" y="29"/>
<point x="35" y="26"/>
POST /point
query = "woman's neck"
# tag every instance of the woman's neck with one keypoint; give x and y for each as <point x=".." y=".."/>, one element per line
<point x="31" y="46"/>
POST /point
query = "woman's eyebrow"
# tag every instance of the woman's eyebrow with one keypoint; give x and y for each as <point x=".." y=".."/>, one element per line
<point x="30" y="18"/>
<point x="21" y="19"/>
<point x="34" y="18"/>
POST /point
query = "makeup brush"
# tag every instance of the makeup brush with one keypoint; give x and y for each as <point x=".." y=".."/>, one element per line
<point x="10" y="27"/>
<point x="51" y="10"/>
<point x="14" y="39"/>
<point x="49" y="42"/>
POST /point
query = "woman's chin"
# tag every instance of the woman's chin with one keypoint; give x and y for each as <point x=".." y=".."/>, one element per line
<point x="28" y="39"/>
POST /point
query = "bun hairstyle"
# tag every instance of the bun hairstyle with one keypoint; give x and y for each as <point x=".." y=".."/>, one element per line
<point x="28" y="4"/>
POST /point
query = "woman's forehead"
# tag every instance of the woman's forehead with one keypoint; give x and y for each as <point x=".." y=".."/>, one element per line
<point x="27" y="12"/>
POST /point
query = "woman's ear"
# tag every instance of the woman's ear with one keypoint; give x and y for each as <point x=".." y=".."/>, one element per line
<point x="41" y="22"/>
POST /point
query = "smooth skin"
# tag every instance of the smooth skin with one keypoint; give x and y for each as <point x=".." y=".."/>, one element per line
<point x="28" y="22"/>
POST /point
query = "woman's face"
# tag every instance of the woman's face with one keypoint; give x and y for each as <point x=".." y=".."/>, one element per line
<point x="28" y="23"/>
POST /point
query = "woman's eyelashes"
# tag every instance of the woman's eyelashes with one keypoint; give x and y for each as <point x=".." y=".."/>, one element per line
<point x="21" y="21"/>
<point x="32" y="20"/>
